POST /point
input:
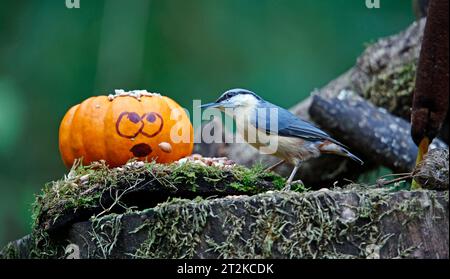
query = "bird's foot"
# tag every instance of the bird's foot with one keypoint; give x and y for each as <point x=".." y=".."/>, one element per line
<point x="288" y="184"/>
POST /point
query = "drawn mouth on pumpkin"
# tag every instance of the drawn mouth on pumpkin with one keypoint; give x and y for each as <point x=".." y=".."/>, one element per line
<point x="141" y="150"/>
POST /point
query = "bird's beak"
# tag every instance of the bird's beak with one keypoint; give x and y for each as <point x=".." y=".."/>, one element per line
<point x="218" y="105"/>
<point x="210" y="105"/>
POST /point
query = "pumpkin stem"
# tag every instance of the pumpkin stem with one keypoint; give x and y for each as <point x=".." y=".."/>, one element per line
<point x="133" y="93"/>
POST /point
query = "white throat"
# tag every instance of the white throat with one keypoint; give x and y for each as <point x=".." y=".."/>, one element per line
<point x="244" y="105"/>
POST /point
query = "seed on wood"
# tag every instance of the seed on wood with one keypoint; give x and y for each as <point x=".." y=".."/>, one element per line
<point x="165" y="146"/>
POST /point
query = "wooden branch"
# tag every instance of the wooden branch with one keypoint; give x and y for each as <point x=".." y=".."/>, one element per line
<point x="368" y="130"/>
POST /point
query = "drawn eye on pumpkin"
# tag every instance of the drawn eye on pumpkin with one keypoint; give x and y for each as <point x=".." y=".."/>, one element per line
<point x="129" y="125"/>
<point x="153" y="124"/>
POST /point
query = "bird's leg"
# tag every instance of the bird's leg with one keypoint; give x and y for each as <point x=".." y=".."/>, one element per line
<point x="291" y="177"/>
<point x="271" y="168"/>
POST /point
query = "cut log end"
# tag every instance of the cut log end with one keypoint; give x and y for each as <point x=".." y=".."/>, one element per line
<point x="432" y="172"/>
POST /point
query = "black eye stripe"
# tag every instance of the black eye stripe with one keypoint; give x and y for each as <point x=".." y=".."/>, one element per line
<point x="224" y="97"/>
<point x="229" y="95"/>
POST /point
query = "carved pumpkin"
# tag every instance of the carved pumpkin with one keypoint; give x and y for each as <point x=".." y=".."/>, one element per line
<point x="127" y="125"/>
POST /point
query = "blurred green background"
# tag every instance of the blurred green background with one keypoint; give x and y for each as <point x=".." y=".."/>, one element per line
<point x="52" y="58"/>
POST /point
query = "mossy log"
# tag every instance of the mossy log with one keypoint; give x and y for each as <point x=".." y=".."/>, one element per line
<point x="368" y="130"/>
<point x="389" y="61"/>
<point x="98" y="190"/>
<point x="195" y="210"/>
<point x="343" y="223"/>
<point x="19" y="249"/>
<point x="337" y="224"/>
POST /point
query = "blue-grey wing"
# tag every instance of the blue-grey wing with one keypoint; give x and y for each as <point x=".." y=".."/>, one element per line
<point x="286" y="124"/>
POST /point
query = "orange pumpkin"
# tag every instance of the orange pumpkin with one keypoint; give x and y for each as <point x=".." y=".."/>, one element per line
<point x="127" y="125"/>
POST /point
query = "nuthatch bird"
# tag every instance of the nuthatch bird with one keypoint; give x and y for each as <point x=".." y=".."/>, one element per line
<point x="297" y="140"/>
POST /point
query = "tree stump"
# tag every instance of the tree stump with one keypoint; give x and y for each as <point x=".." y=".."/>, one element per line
<point x="346" y="223"/>
<point x="217" y="212"/>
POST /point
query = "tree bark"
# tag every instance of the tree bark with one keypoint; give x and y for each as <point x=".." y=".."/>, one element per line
<point x="348" y="223"/>
<point x="368" y="130"/>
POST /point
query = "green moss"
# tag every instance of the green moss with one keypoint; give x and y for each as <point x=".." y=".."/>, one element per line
<point x="104" y="233"/>
<point x="413" y="208"/>
<point x="44" y="247"/>
<point x="84" y="186"/>
<point x="278" y="224"/>
<point x="245" y="179"/>
<point x="9" y="252"/>
<point x="38" y="245"/>
<point x="281" y="224"/>
<point x="178" y="229"/>
<point x="175" y="233"/>
<point x="297" y="187"/>
<point x="188" y="173"/>
<point x="308" y="225"/>
<point x="393" y="88"/>
<point x="318" y="228"/>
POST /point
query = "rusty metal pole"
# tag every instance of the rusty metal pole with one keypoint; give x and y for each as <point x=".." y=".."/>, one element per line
<point x="430" y="102"/>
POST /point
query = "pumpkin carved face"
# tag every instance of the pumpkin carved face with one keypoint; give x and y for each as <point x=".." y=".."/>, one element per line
<point x="129" y="125"/>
